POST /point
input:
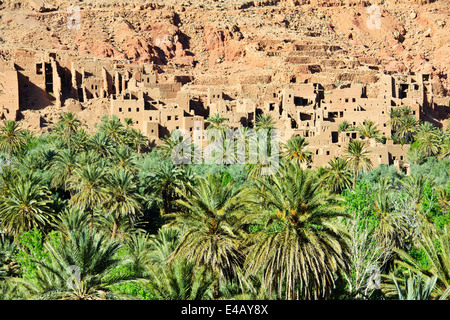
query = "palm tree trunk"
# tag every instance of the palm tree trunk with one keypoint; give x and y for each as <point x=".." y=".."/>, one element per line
<point x="215" y="290"/>
<point x="91" y="222"/>
<point x="114" y="231"/>
<point x="9" y="154"/>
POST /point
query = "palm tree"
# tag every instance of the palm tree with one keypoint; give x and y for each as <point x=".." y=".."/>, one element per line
<point x="415" y="286"/>
<point x="294" y="150"/>
<point x="123" y="199"/>
<point x="175" y="144"/>
<point x="113" y="128"/>
<point x="81" y="267"/>
<point x="11" y="138"/>
<point x="71" y="220"/>
<point x="163" y="183"/>
<point x="356" y="156"/>
<point x="101" y="144"/>
<point x="264" y="121"/>
<point x="163" y="243"/>
<point x="408" y="128"/>
<point x="26" y="204"/>
<point x="182" y="281"/>
<point x="122" y="157"/>
<point x="210" y="213"/>
<point x="137" y="140"/>
<point x="298" y="246"/>
<point x="69" y="124"/>
<point x="139" y="252"/>
<point x="429" y="139"/>
<point x="217" y="122"/>
<point x="368" y="129"/>
<point x="128" y="123"/>
<point x="414" y="186"/>
<point x="80" y="140"/>
<point x="416" y="156"/>
<point x="436" y="248"/>
<point x="89" y="184"/>
<point x="337" y="177"/>
<point x="263" y="154"/>
<point x="344" y="126"/>
<point x="445" y="147"/>
<point x="395" y="118"/>
<point x="62" y="169"/>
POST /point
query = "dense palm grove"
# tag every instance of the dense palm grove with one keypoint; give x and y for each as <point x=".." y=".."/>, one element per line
<point x="103" y="216"/>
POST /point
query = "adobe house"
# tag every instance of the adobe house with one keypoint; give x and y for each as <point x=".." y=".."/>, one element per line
<point x="34" y="80"/>
<point x="9" y="91"/>
<point x="39" y="82"/>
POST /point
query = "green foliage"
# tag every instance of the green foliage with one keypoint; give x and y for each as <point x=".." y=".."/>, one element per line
<point x="384" y="172"/>
<point x="420" y="257"/>
<point x="31" y="248"/>
<point x="431" y="207"/>
<point x="437" y="170"/>
<point x="236" y="230"/>
<point x="136" y="289"/>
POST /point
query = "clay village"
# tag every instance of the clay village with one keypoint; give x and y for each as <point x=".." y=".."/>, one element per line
<point x="225" y="150"/>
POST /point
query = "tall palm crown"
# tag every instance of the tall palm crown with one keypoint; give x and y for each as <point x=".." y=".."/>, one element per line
<point x="429" y="139"/>
<point x="123" y="197"/>
<point x="89" y="184"/>
<point x="298" y="246"/>
<point x="344" y="126"/>
<point x="182" y="281"/>
<point x="80" y="268"/>
<point x="11" y="138"/>
<point x="137" y="140"/>
<point x="25" y="205"/>
<point x="264" y="121"/>
<point x="63" y="167"/>
<point x="210" y="213"/>
<point x="337" y="176"/>
<point x="294" y="150"/>
<point x="101" y="144"/>
<point x="368" y="129"/>
<point x="357" y="158"/>
<point x="69" y="125"/>
<point x="163" y="183"/>
<point x="436" y="248"/>
<point x="408" y="128"/>
<point x="177" y="147"/>
<point x="395" y="118"/>
<point x="217" y="122"/>
<point x="113" y="128"/>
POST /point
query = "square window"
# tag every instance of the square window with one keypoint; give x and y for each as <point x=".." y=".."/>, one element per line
<point x="120" y="109"/>
<point x="169" y="118"/>
<point x="137" y="109"/>
<point x="150" y="118"/>
<point x="328" y="153"/>
<point x="129" y="109"/>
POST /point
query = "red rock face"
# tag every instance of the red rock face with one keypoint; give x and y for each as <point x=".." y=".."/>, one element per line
<point x="215" y="39"/>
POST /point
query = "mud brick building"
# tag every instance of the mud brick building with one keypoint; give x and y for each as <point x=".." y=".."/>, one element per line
<point x="34" y="80"/>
